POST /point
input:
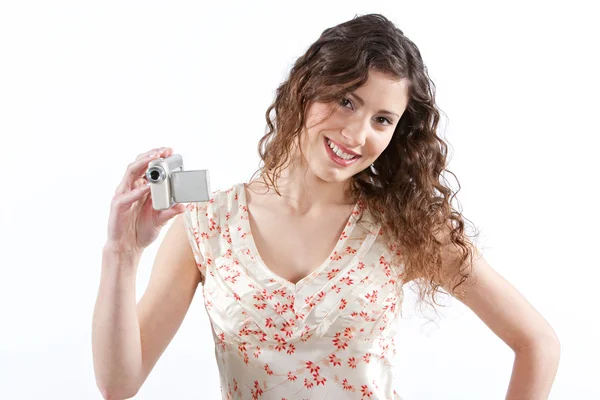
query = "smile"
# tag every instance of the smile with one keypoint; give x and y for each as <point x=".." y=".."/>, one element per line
<point x="337" y="155"/>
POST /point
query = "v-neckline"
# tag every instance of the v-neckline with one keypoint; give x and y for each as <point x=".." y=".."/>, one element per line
<point x="249" y="239"/>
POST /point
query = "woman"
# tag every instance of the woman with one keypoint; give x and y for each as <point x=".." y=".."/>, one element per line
<point x="302" y="269"/>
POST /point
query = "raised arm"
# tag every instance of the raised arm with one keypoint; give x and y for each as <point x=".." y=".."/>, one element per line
<point x="128" y="339"/>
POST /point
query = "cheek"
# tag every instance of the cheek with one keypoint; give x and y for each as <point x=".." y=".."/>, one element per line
<point x="317" y="115"/>
<point x="378" y="145"/>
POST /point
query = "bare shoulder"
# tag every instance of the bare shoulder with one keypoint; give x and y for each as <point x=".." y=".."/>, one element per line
<point x="174" y="256"/>
<point x="499" y="304"/>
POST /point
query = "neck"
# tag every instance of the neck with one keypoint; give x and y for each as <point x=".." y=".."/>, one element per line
<point x="302" y="191"/>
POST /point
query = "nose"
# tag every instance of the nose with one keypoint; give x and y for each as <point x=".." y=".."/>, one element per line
<point x="355" y="132"/>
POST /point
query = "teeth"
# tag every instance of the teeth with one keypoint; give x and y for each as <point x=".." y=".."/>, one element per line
<point x="338" y="152"/>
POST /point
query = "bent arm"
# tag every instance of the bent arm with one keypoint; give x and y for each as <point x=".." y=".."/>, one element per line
<point x="115" y="330"/>
<point x="516" y="322"/>
<point x="128" y="339"/>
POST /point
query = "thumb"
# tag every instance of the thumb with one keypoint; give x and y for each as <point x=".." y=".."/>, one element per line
<point x="165" y="215"/>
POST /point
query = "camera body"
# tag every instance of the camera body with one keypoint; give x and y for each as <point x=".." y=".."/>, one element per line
<point x="170" y="184"/>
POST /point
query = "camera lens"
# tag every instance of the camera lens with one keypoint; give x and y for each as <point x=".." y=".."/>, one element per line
<point x="155" y="175"/>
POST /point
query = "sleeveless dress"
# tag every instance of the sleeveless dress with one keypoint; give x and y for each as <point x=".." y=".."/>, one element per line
<point x="329" y="336"/>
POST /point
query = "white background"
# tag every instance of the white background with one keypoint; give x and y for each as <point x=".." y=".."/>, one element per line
<point x="87" y="86"/>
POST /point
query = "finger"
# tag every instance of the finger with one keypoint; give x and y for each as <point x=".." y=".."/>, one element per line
<point x="124" y="201"/>
<point x="161" y="150"/>
<point x="124" y="185"/>
<point x="137" y="169"/>
<point x="140" y="180"/>
<point x="133" y="172"/>
<point x="165" y="215"/>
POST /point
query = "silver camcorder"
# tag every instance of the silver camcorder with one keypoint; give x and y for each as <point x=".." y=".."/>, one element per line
<point x="170" y="184"/>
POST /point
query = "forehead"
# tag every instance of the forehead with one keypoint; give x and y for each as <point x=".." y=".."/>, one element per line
<point x="384" y="91"/>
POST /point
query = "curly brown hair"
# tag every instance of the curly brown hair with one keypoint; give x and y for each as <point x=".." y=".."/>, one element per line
<point x="403" y="189"/>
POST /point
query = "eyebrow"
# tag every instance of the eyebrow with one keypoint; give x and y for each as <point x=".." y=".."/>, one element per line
<point x="362" y="103"/>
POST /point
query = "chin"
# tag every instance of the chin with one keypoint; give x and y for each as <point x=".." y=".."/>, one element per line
<point x="328" y="174"/>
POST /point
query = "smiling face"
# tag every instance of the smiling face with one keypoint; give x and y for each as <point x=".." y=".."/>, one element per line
<point x="362" y="126"/>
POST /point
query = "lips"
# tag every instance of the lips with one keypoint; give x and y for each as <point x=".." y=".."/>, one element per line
<point x="333" y="157"/>
<point x="342" y="148"/>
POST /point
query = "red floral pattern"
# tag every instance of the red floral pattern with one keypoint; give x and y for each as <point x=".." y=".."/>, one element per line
<point x="329" y="334"/>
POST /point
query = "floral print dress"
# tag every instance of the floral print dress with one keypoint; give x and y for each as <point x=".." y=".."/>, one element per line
<point x="329" y="336"/>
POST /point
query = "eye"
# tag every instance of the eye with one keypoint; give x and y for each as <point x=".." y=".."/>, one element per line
<point x="381" y="120"/>
<point x="345" y="101"/>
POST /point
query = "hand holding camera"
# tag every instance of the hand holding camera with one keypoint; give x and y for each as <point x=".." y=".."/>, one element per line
<point x="133" y="221"/>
